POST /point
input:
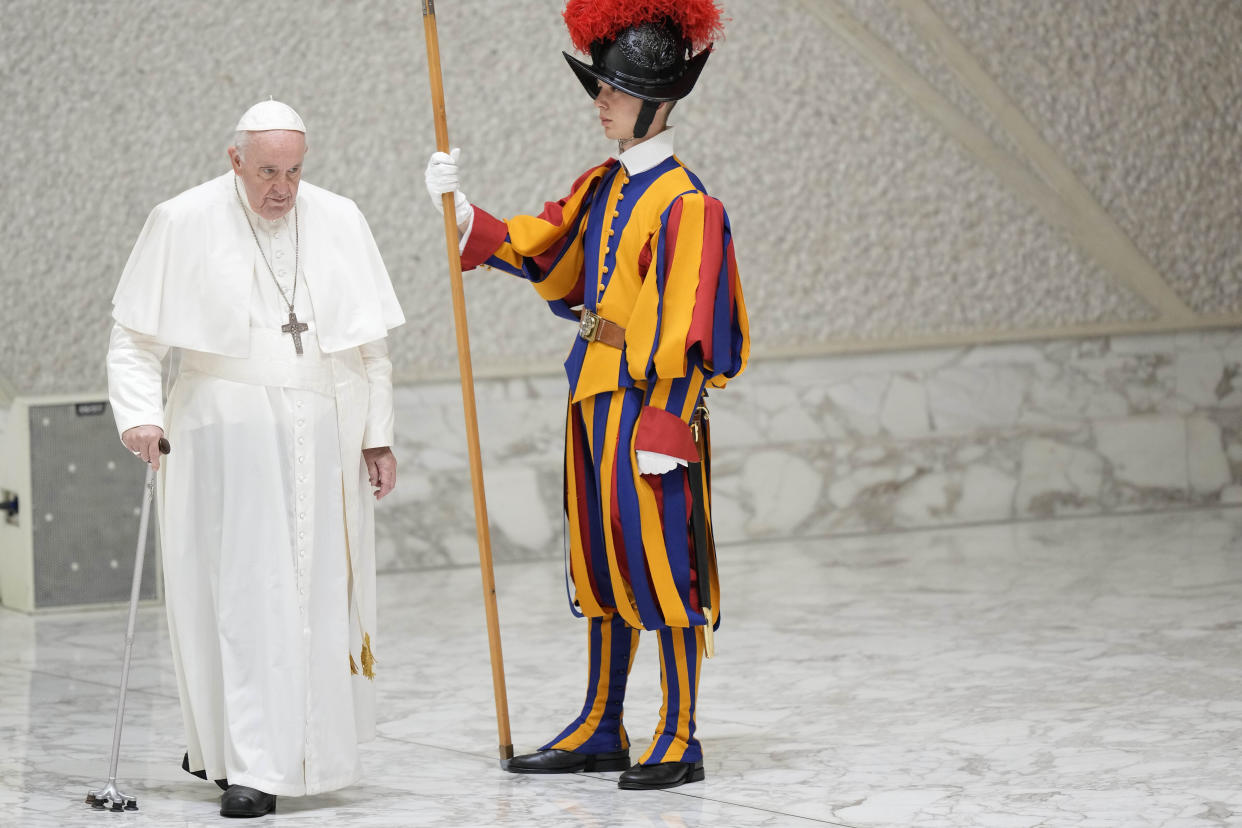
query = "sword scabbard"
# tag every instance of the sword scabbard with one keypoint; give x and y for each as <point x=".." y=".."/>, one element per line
<point x="701" y="529"/>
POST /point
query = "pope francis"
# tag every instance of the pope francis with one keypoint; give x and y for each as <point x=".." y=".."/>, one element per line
<point x="270" y="302"/>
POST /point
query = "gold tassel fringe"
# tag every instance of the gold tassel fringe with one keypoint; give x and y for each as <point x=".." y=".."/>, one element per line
<point x="368" y="657"/>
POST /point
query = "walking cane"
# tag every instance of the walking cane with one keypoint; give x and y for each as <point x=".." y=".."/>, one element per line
<point x="467" y="394"/>
<point x="108" y="797"/>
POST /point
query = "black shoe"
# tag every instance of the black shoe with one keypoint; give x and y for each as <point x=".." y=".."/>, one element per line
<point x="201" y="774"/>
<point x="566" y="761"/>
<point x="663" y="775"/>
<point x="240" y="801"/>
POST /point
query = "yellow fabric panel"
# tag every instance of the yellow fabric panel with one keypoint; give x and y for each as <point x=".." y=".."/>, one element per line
<point x="663" y="388"/>
<point x="621" y="594"/>
<point x="656" y="555"/>
<point x="692" y="394"/>
<point x="583" y="592"/>
<point x="641" y="230"/>
<point x="531" y="236"/>
<point x="686" y="695"/>
<point x="617" y="302"/>
<point x="587" y="729"/>
<point x="641" y="330"/>
<point x="560" y="281"/>
<point x="595" y="274"/>
<point x="659" y="394"/>
<point x="509" y="255"/>
<point x="642" y="311"/>
<point x="679" y="290"/>
<point x="600" y="369"/>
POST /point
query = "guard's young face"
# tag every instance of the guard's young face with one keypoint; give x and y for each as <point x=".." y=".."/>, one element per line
<point x="618" y="111"/>
<point x="271" y="170"/>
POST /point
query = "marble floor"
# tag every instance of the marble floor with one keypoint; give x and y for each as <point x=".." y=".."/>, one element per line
<point x="1077" y="672"/>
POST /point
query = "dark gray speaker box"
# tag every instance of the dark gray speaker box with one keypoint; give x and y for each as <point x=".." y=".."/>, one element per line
<point x="72" y="498"/>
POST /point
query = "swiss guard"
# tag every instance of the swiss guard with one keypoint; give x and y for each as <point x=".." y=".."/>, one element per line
<point x="640" y="258"/>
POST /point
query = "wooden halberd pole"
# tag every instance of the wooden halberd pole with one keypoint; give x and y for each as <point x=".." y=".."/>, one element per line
<point x="467" y="392"/>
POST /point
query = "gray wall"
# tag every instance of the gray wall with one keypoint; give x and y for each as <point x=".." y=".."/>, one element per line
<point x="899" y="174"/>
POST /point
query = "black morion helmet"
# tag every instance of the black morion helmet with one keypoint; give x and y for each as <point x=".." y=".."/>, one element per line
<point x="651" y="60"/>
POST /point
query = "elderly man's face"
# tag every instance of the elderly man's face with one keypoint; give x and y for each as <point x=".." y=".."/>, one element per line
<point x="270" y="170"/>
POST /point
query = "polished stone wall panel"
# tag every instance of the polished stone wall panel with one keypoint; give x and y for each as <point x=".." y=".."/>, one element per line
<point x="830" y="446"/>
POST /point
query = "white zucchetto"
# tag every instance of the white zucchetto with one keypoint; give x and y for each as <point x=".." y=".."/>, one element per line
<point x="270" y="114"/>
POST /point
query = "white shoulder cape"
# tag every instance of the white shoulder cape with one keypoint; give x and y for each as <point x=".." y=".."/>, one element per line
<point x="189" y="277"/>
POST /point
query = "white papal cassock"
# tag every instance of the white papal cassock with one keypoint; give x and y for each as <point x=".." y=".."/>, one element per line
<point x="266" y="516"/>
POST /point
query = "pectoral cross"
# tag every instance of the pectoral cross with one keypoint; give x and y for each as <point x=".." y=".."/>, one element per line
<point x="295" y="329"/>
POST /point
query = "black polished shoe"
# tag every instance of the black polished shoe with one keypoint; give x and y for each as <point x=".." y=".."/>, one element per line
<point x="566" y="761"/>
<point x="663" y="775"/>
<point x="223" y="784"/>
<point x="240" y="801"/>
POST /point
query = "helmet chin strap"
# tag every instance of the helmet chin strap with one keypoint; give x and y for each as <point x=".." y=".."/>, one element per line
<point x="646" y="114"/>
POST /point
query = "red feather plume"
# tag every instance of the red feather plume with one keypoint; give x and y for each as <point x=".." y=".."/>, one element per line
<point x="593" y="20"/>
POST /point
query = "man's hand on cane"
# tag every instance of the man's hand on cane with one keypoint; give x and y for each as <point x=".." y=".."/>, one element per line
<point x="381" y="469"/>
<point x="144" y="442"/>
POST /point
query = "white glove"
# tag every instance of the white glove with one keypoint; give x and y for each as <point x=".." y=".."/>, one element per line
<point x="650" y="462"/>
<point x="440" y="178"/>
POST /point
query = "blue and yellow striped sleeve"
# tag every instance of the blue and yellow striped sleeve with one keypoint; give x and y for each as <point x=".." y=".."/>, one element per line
<point x="545" y="249"/>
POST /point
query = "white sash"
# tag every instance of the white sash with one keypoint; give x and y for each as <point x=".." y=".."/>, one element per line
<point x="272" y="361"/>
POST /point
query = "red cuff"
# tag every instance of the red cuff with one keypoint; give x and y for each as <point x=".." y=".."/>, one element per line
<point x="486" y="236"/>
<point x="665" y="433"/>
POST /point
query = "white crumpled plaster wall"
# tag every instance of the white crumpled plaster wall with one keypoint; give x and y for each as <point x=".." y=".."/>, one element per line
<point x="855" y="218"/>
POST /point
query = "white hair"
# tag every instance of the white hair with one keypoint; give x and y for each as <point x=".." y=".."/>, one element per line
<point x="241" y="139"/>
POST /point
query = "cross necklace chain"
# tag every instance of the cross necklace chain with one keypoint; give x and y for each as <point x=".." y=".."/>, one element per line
<point x="294" y="328"/>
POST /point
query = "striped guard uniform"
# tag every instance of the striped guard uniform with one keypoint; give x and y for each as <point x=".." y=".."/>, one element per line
<point x="642" y="244"/>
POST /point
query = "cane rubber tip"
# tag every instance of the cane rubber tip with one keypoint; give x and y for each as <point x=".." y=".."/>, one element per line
<point x="504" y="764"/>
